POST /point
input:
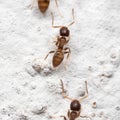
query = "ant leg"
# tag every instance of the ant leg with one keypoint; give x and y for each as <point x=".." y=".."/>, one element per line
<point x="67" y="52"/>
<point x="57" y="42"/>
<point x="63" y="92"/>
<point x="67" y="39"/>
<point x="53" y="40"/>
<point x="32" y="4"/>
<point x="86" y="92"/>
<point x="58" y="116"/>
<point x="53" y="22"/>
<point x="63" y="117"/>
<point x="85" y="117"/>
<point x="73" y="18"/>
<point x="78" y="114"/>
<point x="68" y="113"/>
<point x="48" y="54"/>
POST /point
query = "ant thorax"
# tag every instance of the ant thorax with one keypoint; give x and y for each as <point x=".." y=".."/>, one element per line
<point x="65" y="37"/>
<point x="72" y="115"/>
<point x="61" y="41"/>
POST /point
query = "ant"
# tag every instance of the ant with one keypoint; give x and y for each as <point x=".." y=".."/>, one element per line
<point x="75" y="106"/>
<point x="64" y="32"/>
<point x="61" y="41"/>
<point x="43" y="5"/>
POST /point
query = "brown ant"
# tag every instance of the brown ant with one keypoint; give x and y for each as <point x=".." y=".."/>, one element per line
<point x="75" y="106"/>
<point x="43" y="5"/>
<point x="61" y="41"/>
<point x="64" y="32"/>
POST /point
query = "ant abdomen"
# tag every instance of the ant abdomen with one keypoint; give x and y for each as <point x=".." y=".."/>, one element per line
<point x="43" y="5"/>
<point x="57" y="58"/>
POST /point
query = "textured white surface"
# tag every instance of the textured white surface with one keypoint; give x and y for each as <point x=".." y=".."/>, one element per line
<point x="95" y="44"/>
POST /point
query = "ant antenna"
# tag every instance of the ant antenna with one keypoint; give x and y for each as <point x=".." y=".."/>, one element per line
<point x="86" y="92"/>
<point x="73" y="18"/>
<point x="63" y="26"/>
<point x="58" y="8"/>
<point x="53" y="22"/>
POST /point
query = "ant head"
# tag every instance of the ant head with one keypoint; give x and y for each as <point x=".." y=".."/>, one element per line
<point x="75" y="105"/>
<point x="64" y="31"/>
